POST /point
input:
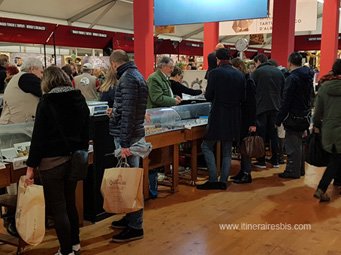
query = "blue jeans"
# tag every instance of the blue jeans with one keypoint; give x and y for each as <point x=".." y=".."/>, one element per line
<point x="135" y="219"/>
<point x="207" y="148"/>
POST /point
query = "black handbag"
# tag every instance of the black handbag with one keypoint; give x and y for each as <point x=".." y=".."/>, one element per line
<point x="79" y="158"/>
<point x="315" y="154"/>
<point x="252" y="146"/>
<point x="297" y="123"/>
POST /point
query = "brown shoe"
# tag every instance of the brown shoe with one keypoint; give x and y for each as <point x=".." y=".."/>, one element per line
<point x="320" y="194"/>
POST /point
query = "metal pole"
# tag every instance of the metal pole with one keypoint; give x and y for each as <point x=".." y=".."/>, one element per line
<point x="45" y="55"/>
<point x="54" y="48"/>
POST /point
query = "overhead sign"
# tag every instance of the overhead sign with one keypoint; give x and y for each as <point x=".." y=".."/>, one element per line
<point x="178" y="12"/>
<point x="87" y="33"/>
<point x="306" y="19"/>
<point x="21" y="25"/>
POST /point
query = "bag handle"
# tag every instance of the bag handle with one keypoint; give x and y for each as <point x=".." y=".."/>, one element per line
<point x="122" y="162"/>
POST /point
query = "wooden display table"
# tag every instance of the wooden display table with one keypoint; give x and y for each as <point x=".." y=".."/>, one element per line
<point x="168" y="142"/>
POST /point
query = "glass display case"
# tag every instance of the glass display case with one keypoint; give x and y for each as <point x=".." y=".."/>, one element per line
<point x="176" y="117"/>
<point x="15" y="140"/>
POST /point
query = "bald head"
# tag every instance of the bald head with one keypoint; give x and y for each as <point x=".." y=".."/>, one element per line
<point x="219" y="46"/>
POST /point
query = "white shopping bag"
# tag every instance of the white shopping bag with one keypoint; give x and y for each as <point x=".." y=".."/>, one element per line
<point x="30" y="212"/>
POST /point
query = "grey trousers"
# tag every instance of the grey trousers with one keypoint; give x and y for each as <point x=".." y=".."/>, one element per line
<point x="294" y="149"/>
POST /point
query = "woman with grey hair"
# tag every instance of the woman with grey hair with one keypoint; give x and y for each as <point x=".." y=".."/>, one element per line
<point x="60" y="128"/>
<point x="22" y="93"/>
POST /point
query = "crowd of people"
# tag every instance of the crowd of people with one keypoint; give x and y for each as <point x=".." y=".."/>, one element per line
<point x="262" y="101"/>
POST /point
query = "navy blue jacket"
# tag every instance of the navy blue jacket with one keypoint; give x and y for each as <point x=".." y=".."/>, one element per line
<point x="297" y="94"/>
<point x="226" y="90"/>
<point x="130" y="103"/>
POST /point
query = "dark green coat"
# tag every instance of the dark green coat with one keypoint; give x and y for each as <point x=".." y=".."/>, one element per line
<point x="159" y="91"/>
<point x="328" y="114"/>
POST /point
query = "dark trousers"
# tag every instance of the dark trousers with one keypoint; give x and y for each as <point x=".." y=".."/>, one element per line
<point x="331" y="171"/>
<point x="295" y="153"/>
<point x="266" y="129"/>
<point x="60" y="200"/>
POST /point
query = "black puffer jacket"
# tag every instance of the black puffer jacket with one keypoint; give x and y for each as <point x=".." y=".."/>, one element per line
<point x="130" y="105"/>
<point x="297" y="94"/>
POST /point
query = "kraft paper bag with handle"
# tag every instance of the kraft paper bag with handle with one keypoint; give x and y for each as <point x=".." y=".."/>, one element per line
<point x="30" y="212"/>
<point x="122" y="189"/>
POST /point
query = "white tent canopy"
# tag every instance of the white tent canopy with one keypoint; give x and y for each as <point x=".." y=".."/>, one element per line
<point x="111" y="15"/>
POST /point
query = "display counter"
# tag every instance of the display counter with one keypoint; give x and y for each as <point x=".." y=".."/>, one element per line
<point x="167" y="129"/>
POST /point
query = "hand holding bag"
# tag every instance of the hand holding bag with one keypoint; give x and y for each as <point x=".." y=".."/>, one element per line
<point x="30" y="212"/>
<point x="122" y="189"/>
<point x="252" y="146"/>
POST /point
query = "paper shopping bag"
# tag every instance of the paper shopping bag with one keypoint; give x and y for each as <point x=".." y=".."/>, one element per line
<point x="30" y="212"/>
<point x="122" y="189"/>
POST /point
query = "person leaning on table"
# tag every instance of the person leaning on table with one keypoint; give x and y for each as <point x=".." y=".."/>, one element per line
<point x="159" y="87"/>
<point x="61" y="127"/>
<point x="22" y="93"/>
<point x="160" y="95"/>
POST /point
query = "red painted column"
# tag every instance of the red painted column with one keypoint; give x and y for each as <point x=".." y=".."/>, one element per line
<point x="330" y="34"/>
<point x="144" y="36"/>
<point x="283" y="30"/>
<point x="211" y="38"/>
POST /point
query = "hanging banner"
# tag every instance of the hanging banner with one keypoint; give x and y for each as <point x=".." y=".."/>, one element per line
<point x="306" y="19"/>
<point x="179" y="12"/>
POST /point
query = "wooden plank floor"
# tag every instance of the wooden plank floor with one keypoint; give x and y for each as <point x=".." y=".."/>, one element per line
<point x="188" y="222"/>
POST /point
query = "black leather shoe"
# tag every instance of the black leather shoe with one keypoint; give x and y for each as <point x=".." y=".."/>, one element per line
<point x="238" y="176"/>
<point x="285" y="175"/>
<point x="209" y="185"/>
<point x="127" y="235"/>
<point x="245" y="179"/>
<point x="223" y="185"/>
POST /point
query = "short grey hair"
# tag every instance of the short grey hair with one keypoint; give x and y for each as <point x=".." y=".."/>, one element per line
<point x="31" y="63"/>
<point x="163" y="61"/>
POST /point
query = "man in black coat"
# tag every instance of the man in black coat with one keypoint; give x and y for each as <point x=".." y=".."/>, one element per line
<point x="226" y="91"/>
<point x="296" y="102"/>
<point x="269" y="82"/>
<point x="212" y="59"/>
<point x="127" y="127"/>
